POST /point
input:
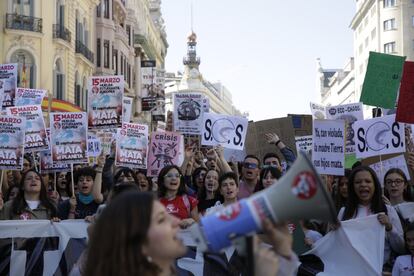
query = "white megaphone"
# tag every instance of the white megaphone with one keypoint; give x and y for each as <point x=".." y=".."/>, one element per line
<point x="298" y="195"/>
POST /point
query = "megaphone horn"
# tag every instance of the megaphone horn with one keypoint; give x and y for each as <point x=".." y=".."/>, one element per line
<point x="299" y="194"/>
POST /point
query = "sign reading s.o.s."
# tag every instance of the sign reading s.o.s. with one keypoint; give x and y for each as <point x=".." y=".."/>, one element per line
<point x="228" y="131"/>
<point x="378" y="136"/>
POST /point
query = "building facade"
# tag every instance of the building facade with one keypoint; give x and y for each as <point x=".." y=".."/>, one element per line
<point x="51" y="44"/>
<point x="220" y="98"/>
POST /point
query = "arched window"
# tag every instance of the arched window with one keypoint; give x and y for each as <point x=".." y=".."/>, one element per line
<point x="58" y="80"/>
<point x="78" y="94"/>
<point x="26" y="75"/>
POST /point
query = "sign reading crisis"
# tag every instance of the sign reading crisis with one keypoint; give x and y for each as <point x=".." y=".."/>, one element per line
<point x="131" y="146"/>
<point x="36" y="137"/>
<point x="164" y="150"/>
<point x="8" y="79"/>
<point x="11" y="142"/>
<point x="69" y="137"/>
<point x="105" y="101"/>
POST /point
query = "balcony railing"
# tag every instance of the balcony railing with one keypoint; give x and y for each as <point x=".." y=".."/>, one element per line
<point x="24" y="22"/>
<point x="61" y="32"/>
<point x="82" y="49"/>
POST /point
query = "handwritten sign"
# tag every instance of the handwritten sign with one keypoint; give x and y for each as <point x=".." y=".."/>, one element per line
<point x="304" y="143"/>
<point x="328" y="154"/>
<point x="164" y="150"/>
<point x="131" y="146"/>
<point x="11" y="142"/>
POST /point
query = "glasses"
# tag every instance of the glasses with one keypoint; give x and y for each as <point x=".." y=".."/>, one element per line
<point x="397" y="182"/>
<point x="171" y="175"/>
<point x="248" y="165"/>
<point x="266" y="166"/>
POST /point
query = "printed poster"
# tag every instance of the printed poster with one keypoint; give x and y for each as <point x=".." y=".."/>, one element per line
<point x="188" y="113"/>
<point x="8" y="79"/>
<point x="11" y="142"/>
<point x="127" y="109"/>
<point x="105" y="101"/>
<point x="318" y="111"/>
<point x="227" y="131"/>
<point x="378" y="136"/>
<point x="147" y="78"/>
<point x="131" y="146"/>
<point x="69" y="137"/>
<point x="164" y="150"/>
<point x="36" y="137"/>
<point x="328" y="153"/>
<point x="27" y="96"/>
<point x="350" y="113"/>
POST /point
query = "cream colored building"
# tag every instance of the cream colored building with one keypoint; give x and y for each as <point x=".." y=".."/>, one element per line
<point x="52" y="41"/>
<point x="220" y="98"/>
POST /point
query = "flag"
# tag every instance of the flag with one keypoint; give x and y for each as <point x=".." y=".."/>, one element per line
<point x="405" y="111"/>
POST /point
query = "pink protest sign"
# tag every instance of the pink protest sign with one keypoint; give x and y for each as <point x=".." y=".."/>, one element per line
<point x="163" y="151"/>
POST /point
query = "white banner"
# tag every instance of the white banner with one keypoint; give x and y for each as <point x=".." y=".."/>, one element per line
<point x="127" y="109"/>
<point x="105" y="101"/>
<point x="378" y="136"/>
<point x="318" y="111"/>
<point x="27" y="96"/>
<point x="349" y="113"/>
<point x="355" y="248"/>
<point x="382" y="167"/>
<point x="131" y="146"/>
<point x="304" y="143"/>
<point x="188" y="113"/>
<point x="225" y="130"/>
<point x="68" y="131"/>
<point x="39" y="247"/>
<point x="328" y="153"/>
<point x="36" y="138"/>
<point x="8" y="78"/>
<point x="11" y="142"/>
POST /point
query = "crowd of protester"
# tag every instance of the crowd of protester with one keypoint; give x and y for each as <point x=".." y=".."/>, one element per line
<point x="148" y="212"/>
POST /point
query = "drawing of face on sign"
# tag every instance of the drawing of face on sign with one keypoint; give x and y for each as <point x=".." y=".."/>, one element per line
<point x="189" y="110"/>
<point x="164" y="153"/>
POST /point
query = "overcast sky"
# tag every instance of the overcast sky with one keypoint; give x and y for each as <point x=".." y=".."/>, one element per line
<point x="263" y="51"/>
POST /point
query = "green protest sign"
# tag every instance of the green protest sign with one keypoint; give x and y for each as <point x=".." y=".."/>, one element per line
<point x="382" y="80"/>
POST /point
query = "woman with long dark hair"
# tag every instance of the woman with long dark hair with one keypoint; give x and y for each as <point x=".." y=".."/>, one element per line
<point x="342" y="191"/>
<point x="396" y="186"/>
<point x="268" y="176"/>
<point x="364" y="199"/>
<point x="146" y="241"/>
<point x="31" y="202"/>
<point x="171" y="191"/>
<point x="208" y="194"/>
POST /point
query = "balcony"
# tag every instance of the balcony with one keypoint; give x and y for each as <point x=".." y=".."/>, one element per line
<point x="61" y="32"/>
<point x="82" y="49"/>
<point x="23" y="22"/>
<point x="121" y="34"/>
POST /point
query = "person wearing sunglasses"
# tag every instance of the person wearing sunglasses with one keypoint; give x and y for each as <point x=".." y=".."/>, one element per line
<point x="271" y="159"/>
<point x="250" y="176"/>
<point x="171" y="192"/>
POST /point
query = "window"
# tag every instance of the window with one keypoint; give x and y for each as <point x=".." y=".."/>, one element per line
<point x="366" y="41"/>
<point x="60" y="13"/>
<point x="78" y="89"/>
<point x="389" y="24"/>
<point x="105" y="8"/>
<point x="115" y="61"/>
<point x="122" y="64"/>
<point x="58" y="81"/>
<point x="98" y="10"/>
<point x="98" y="52"/>
<point x="128" y="30"/>
<point x="26" y="74"/>
<point x="106" y="53"/>
<point x="389" y="47"/>
<point x="23" y="7"/>
<point x="389" y="3"/>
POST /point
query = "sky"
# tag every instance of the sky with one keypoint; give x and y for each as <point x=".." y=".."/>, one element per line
<point x="263" y="51"/>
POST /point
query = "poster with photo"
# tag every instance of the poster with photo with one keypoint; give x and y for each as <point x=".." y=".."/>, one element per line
<point x="11" y="142"/>
<point x="8" y="79"/>
<point x="188" y="113"/>
<point x="131" y="146"/>
<point x="27" y="96"/>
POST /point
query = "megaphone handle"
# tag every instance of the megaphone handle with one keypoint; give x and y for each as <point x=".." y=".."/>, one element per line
<point x="249" y="255"/>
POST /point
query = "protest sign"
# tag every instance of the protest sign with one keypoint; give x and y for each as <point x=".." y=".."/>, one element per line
<point x="318" y="111"/>
<point x="38" y="247"/>
<point x="69" y="137"/>
<point x="382" y="80"/>
<point x="47" y="165"/>
<point x="163" y="151"/>
<point x="158" y="112"/>
<point x="406" y="210"/>
<point x="405" y="110"/>
<point x="105" y="101"/>
<point x="159" y="83"/>
<point x="349" y="113"/>
<point x="1" y="94"/>
<point x="131" y="146"/>
<point x="11" y="142"/>
<point x="106" y="138"/>
<point x="27" y="96"/>
<point x="232" y="155"/>
<point x="378" y="136"/>
<point x="126" y="109"/>
<point x="36" y="137"/>
<point x="382" y="167"/>
<point x="304" y="143"/>
<point x="328" y="154"/>
<point x="188" y="113"/>
<point x="94" y="145"/>
<point x="147" y="78"/>
<point x="355" y="248"/>
<point x="225" y="130"/>
<point x="8" y="78"/>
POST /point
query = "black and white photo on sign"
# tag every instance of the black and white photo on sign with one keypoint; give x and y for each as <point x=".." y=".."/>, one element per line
<point x="188" y="112"/>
